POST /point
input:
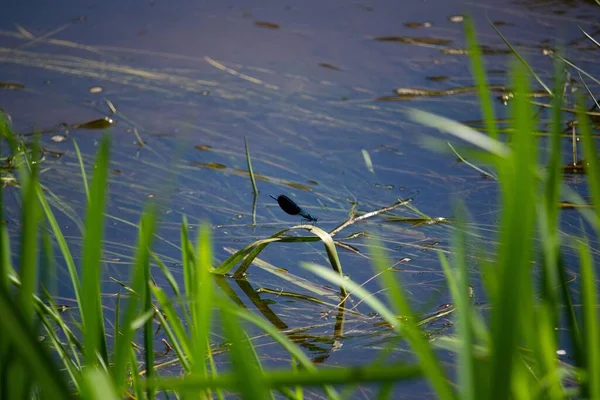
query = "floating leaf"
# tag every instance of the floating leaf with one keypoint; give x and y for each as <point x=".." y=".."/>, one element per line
<point x="265" y="24"/>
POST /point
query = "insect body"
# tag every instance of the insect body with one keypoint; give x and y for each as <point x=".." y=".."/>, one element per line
<point x="289" y="206"/>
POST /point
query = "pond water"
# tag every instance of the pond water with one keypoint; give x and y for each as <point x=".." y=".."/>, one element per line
<point x="301" y="83"/>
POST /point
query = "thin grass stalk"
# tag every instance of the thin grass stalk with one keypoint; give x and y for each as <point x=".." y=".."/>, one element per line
<point x="73" y="368"/>
<point x="478" y="72"/>
<point x="522" y="60"/>
<point x="174" y="328"/>
<point x="64" y="248"/>
<point x="82" y="169"/>
<point x="136" y="381"/>
<point x="250" y="171"/>
<point x="214" y="372"/>
<point x="48" y="266"/>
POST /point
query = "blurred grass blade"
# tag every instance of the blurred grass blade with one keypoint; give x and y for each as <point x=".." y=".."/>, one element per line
<point x="515" y="250"/>
<point x="409" y="327"/>
<point x="548" y="228"/>
<point x="459" y="130"/>
<point x="591" y="158"/>
<point x="25" y="343"/>
<point x="458" y="280"/>
<point x="28" y="271"/>
<point x="591" y="331"/>
<point x="94" y="336"/>
<point x="368" y="162"/>
<point x="29" y="241"/>
<point x="247" y="374"/>
<point x="201" y="298"/>
<point x="283" y="340"/>
<point x="98" y="385"/>
<point x="357" y="290"/>
<point x="283" y="379"/>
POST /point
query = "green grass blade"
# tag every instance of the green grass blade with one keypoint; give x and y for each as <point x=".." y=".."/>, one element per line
<point x="548" y="227"/>
<point x="202" y="301"/>
<point x="187" y="259"/>
<point x="168" y="275"/>
<point x="215" y="373"/>
<point x="591" y="331"/>
<point x="28" y="272"/>
<point x="136" y="382"/>
<point x="139" y="285"/>
<point x="5" y="261"/>
<point x="63" y="246"/>
<point x="29" y="242"/>
<point x="93" y="330"/>
<point x="174" y="327"/>
<point x="82" y="169"/>
<point x="72" y="367"/>
<point x="515" y="250"/>
<point x="148" y="309"/>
